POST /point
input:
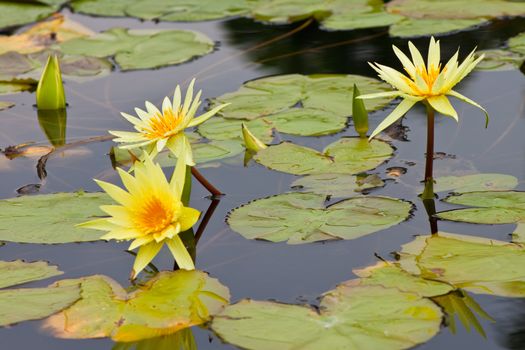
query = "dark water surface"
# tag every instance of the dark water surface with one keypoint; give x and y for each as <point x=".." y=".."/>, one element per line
<point x="259" y="270"/>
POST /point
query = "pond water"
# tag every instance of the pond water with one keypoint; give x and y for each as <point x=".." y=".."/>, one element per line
<point x="256" y="269"/>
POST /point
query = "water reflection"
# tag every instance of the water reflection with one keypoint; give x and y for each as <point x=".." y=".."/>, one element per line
<point x="53" y="123"/>
<point x="182" y="340"/>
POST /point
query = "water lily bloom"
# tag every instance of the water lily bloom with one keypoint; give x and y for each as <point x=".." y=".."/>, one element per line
<point x="150" y="213"/>
<point x="158" y="129"/>
<point x="430" y="82"/>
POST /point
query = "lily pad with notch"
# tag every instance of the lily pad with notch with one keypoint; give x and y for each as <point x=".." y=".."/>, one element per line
<point x="167" y="303"/>
<point x="348" y="317"/>
<point x="298" y="218"/>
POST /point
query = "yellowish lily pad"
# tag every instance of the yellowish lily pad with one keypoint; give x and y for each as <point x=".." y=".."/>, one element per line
<point x="169" y="302"/>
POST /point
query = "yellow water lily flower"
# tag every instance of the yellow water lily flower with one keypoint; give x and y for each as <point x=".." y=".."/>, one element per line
<point x="158" y="129"/>
<point x="430" y="83"/>
<point x="150" y="213"/>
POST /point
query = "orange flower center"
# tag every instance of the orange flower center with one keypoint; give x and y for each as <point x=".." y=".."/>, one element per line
<point x="429" y="77"/>
<point x="154" y="215"/>
<point x="160" y="125"/>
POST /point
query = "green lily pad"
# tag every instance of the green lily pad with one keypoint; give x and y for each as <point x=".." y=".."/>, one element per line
<point x="477" y="264"/>
<point x="500" y="60"/>
<point x="19" y="272"/>
<point x="345" y="156"/>
<point x="169" y="302"/>
<point x="411" y="27"/>
<point x="456" y="9"/>
<point x="165" y="10"/>
<point x="337" y="185"/>
<point x="32" y="303"/>
<point x="493" y="207"/>
<point x="50" y="218"/>
<point x="517" y="43"/>
<point x="19" y="13"/>
<point x="303" y="217"/>
<point x="475" y="182"/>
<point x="12" y="86"/>
<point x="361" y="318"/>
<point x="182" y="340"/>
<point x="324" y="92"/>
<point x="390" y="275"/>
<point x="142" y="49"/>
<point x="5" y="105"/>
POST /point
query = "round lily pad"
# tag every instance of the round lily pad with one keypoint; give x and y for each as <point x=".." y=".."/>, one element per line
<point x="303" y="217"/>
<point x="169" y="302"/>
<point x="477" y="264"/>
<point x="359" y="318"/>
<point x="140" y="48"/>
<point x="412" y="27"/>
<point x="50" y="218"/>
<point x="475" y="182"/>
<point x="345" y="156"/>
<point x="492" y="207"/>
<point x="338" y="185"/>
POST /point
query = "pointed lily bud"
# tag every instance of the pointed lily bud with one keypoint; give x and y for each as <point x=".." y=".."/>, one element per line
<point x="50" y="90"/>
<point x="359" y="114"/>
<point x="251" y="142"/>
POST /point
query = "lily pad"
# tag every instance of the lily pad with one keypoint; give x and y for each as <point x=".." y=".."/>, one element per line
<point x="477" y="264"/>
<point x="390" y="275"/>
<point x="5" y="105"/>
<point x="337" y="185"/>
<point x="140" y="48"/>
<point x="345" y="156"/>
<point x="169" y="302"/>
<point x="500" y="60"/>
<point x="18" y="13"/>
<point x="411" y="27"/>
<point x="32" y="303"/>
<point x="19" y="272"/>
<point x="493" y="207"/>
<point x="456" y="9"/>
<point x="12" y="86"/>
<point x="50" y="218"/>
<point x="475" y="182"/>
<point x="361" y="318"/>
<point x="517" y="43"/>
<point x="303" y="217"/>
<point x="324" y="92"/>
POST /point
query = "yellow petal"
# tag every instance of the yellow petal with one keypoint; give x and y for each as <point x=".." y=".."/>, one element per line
<point x="441" y="104"/>
<point x="180" y="146"/>
<point x="251" y="142"/>
<point x="393" y="77"/>
<point x="380" y="94"/>
<point x="180" y="253"/>
<point x="397" y="113"/>
<point x="143" y="115"/>
<point x="141" y="241"/>
<point x="115" y="192"/>
<point x="193" y="108"/>
<point x="188" y="217"/>
<point x="434" y="54"/>
<point x="98" y="224"/>
<point x="405" y="61"/>
<point x="469" y="101"/>
<point x="145" y="255"/>
<point x="166" y="106"/>
<point x="122" y="234"/>
<point x="132" y="119"/>
<point x="152" y="110"/>
<point x="176" y="98"/>
<point x="202" y="118"/>
<point x="178" y="178"/>
<point x="416" y="57"/>
<point x="188" y="98"/>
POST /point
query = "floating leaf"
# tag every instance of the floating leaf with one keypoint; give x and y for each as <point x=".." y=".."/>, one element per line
<point x="43" y="35"/>
<point x="19" y="272"/>
<point x="50" y="218"/>
<point x="390" y="275"/>
<point x="18" y="13"/>
<point x="142" y="49"/>
<point x="169" y="302"/>
<point x="337" y="185"/>
<point x="500" y="60"/>
<point x="12" y="86"/>
<point x="34" y="303"/>
<point x="345" y="156"/>
<point x="5" y="105"/>
<point x="19" y="305"/>
<point x="477" y="264"/>
<point x="475" y="182"/>
<point x="303" y="217"/>
<point x="360" y="318"/>
<point x="517" y="43"/>
<point x="493" y="207"/>
<point x="411" y="27"/>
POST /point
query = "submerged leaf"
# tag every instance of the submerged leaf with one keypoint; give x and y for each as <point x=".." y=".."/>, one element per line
<point x="303" y="217"/>
<point x="360" y="318"/>
<point x="50" y="218"/>
<point x="345" y="156"/>
<point x="476" y="264"/>
<point x="169" y="302"/>
<point x="141" y="48"/>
